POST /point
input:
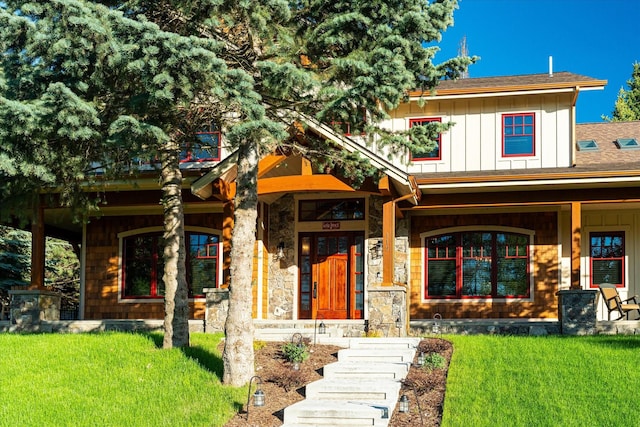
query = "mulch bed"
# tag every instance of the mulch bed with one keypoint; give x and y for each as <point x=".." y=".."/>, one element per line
<point x="284" y="386"/>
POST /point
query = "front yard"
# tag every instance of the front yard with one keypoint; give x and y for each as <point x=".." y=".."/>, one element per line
<point x="115" y="379"/>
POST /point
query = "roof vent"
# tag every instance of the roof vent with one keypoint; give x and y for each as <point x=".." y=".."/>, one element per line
<point x="627" y="143"/>
<point x="588" y="145"/>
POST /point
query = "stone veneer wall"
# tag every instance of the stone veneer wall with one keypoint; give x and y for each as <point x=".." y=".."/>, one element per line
<point x="30" y="307"/>
<point x="216" y="309"/>
<point x="282" y="283"/>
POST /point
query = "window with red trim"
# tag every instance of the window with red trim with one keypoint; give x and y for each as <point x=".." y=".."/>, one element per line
<point x="518" y="134"/>
<point x="606" y="255"/>
<point x="204" y="148"/>
<point x="436" y="154"/>
<point x="143" y="264"/>
<point x="482" y="264"/>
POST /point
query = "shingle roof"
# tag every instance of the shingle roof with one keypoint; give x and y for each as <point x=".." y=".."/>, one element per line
<point x="608" y="154"/>
<point x="523" y="82"/>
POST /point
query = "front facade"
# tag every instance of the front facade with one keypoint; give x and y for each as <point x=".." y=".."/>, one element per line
<point x="516" y="203"/>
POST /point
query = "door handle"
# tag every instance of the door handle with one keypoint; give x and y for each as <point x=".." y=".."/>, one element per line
<point x="315" y="290"/>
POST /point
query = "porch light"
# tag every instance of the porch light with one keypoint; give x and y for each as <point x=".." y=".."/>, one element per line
<point x="320" y="329"/>
<point x="258" y="395"/>
<point x="403" y="404"/>
<point x="398" y="322"/>
<point x="306" y="246"/>
<point x="280" y="251"/>
<point x="376" y="250"/>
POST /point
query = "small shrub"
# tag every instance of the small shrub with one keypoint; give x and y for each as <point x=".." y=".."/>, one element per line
<point x="259" y="345"/>
<point x="374" y="333"/>
<point x="434" y="361"/>
<point x="294" y="352"/>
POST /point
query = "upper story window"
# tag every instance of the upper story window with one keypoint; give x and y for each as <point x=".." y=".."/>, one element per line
<point x="477" y="264"/>
<point x="346" y="128"/>
<point x="518" y="134"/>
<point x="436" y="154"/>
<point x="143" y="264"/>
<point x="606" y="255"/>
<point x="204" y="147"/>
<point x="331" y="210"/>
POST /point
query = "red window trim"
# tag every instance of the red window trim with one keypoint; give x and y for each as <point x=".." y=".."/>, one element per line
<point x="622" y="264"/>
<point x="459" y="257"/>
<point x="188" y="150"/>
<point x="155" y="256"/>
<point x="412" y="122"/>
<point x="533" y="135"/>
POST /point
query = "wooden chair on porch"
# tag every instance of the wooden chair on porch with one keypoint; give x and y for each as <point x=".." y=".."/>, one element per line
<point x="613" y="302"/>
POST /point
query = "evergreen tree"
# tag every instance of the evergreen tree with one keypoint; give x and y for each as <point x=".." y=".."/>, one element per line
<point x="627" y="106"/>
<point x="108" y="79"/>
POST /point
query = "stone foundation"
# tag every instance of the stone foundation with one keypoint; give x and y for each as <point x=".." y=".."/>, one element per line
<point x="387" y="310"/>
<point x="32" y="306"/>
<point x="217" y="307"/>
<point x="577" y="311"/>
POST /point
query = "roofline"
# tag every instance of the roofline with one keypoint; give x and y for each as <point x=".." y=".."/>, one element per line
<point x="528" y="180"/>
<point x="510" y="89"/>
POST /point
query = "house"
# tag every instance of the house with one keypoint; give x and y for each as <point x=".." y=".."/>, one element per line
<point x="517" y="203"/>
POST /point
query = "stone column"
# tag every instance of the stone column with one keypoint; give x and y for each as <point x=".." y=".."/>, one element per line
<point x="216" y="309"/>
<point x="577" y="311"/>
<point x="29" y="307"/>
<point x="388" y="310"/>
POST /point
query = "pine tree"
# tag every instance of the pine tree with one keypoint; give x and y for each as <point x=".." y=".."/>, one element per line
<point x="627" y="106"/>
<point x="263" y="68"/>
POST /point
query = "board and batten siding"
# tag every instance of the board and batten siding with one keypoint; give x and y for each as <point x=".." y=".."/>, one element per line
<point x="474" y="142"/>
<point x="616" y="219"/>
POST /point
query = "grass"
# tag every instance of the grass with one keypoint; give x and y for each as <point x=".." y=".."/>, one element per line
<point x="543" y="381"/>
<point x="112" y="379"/>
<point x="117" y="379"/>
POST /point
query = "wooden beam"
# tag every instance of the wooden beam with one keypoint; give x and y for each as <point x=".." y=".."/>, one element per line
<point x="305" y="166"/>
<point x="226" y="190"/>
<point x="384" y="186"/>
<point x="388" y="242"/>
<point x="576" y="230"/>
<point x="302" y="183"/>
<point x="269" y="162"/>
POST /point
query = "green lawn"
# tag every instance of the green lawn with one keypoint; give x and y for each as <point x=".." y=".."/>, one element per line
<point x="119" y="379"/>
<point x="543" y="381"/>
<point x="112" y="379"/>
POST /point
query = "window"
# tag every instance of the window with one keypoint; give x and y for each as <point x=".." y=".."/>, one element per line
<point x="606" y="254"/>
<point x="477" y="264"/>
<point x="436" y="154"/>
<point x="204" y="147"/>
<point x="331" y="210"/>
<point x="143" y="264"/>
<point x="518" y="134"/>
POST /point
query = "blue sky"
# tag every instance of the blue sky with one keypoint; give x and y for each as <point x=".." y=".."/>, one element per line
<point x="595" y="38"/>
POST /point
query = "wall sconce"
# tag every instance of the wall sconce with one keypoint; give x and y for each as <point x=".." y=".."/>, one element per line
<point x="376" y="250"/>
<point x="280" y="251"/>
<point x="258" y="395"/>
<point x="306" y="245"/>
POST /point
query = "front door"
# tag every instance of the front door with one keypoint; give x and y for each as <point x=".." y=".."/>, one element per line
<point x="331" y="276"/>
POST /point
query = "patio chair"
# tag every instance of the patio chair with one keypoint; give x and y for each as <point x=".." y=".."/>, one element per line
<point x="613" y="302"/>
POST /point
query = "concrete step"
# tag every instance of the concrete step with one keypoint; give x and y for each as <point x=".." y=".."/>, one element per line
<point x="368" y="355"/>
<point x="354" y="370"/>
<point x="385" y="343"/>
<point x="311" y="412"/>
<point x="347" y="390"/>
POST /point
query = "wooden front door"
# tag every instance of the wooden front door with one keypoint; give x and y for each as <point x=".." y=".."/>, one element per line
<point x="331" y="276"/>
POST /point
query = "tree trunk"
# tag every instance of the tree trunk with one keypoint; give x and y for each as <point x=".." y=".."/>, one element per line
<point x="238" y="356"/>
<point x="176" y="300"/>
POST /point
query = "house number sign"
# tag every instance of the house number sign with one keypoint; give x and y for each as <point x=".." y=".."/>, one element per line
<point x="331" y="225"/>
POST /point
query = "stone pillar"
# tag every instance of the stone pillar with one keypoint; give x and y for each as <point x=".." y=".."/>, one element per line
<point x="216" y="309"/>
<point x="577" y="311"/>
<point x="388" y="306"/>
<point x="32" y="306"/>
